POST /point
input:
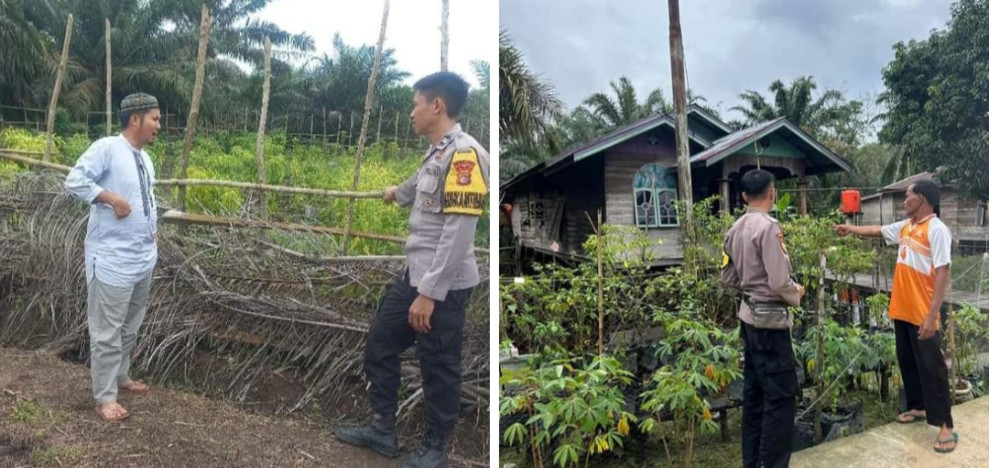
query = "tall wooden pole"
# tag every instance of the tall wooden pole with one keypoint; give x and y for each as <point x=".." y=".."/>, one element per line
<point x="380" y="117"/>
<point x="265" y="92"/>
<point x="368" y="99"/>
<point x="109" y="81"/>
<point x="397" y="115"/>
<point x="445" y="36"/>
<point x="62" y="64"/>
<point x="680" y="108"/>
<point x="197" y="94"/>
<point x="820" y="350"/>
<point x="600" y="290"/>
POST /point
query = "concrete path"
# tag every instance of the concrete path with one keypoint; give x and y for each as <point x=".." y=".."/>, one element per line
<point x="907" y="445"/>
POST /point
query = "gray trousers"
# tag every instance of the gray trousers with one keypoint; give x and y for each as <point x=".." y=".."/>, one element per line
<point x="115" y="315"/>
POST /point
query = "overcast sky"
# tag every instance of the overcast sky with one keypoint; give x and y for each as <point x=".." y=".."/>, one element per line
<point x="730" y="45"/>
<point x="413" y="29"/>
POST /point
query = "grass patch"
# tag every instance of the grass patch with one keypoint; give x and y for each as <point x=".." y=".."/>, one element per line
<point x="32" y="413"/>
<point x="57" y="456"/>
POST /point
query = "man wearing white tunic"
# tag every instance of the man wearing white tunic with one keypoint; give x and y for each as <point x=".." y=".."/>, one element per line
<point x="115" y="177"/>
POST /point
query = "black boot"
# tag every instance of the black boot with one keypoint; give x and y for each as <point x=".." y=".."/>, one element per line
<point x="379" y="436"/>
<point x="431" y="454"/>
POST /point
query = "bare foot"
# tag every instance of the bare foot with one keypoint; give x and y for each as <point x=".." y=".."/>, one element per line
<point x="134" y="386"/>
<point x="112" y="412"/>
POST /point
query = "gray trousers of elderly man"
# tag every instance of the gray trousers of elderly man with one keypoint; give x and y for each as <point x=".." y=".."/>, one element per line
<point x="115" y="316"/>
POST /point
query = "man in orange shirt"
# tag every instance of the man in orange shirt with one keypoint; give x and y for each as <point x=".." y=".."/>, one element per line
<point x="919" y="282"/>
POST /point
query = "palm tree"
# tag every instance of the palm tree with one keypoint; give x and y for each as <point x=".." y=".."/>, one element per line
<point x="624" y="108"/>
<point x="795" y="102"/>
<point x="154" y="45"/>
<point x="25" y="47"/>
<point x="526" y="104"/>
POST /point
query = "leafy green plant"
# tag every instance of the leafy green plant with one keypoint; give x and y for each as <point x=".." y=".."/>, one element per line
<point x="973" y="328"/>
<point x="573" y="410"/>
<point x="877" y="306"/>
<point x="555" y="310"/>
<point x="706" y="361"/>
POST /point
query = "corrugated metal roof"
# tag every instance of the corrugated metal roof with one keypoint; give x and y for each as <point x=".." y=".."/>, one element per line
<point x="903" y="185"/>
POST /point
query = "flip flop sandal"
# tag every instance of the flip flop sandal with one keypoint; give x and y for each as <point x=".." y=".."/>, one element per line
<point x="119" y="418"/>
<point x="954" y="438"/>
<point x="910" y="418"/>
<point x="146" y="388"/>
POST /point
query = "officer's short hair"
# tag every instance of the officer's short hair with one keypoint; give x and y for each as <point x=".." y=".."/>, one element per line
<point x="930" y="191"/>
<point x="756" y="183"/>
<point x="447" y="86"/>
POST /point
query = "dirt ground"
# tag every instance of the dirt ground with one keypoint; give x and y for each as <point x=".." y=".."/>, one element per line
<point x="47" y="418"/>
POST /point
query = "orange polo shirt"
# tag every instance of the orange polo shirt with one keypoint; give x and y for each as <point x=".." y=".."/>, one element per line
<point x="923" y="246"/>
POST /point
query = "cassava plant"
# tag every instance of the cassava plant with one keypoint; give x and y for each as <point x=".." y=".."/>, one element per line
<point x="573" y="411"/>
<point x="705" y="361"/>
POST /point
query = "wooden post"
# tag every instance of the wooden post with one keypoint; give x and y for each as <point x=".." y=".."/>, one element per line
<point x="324" y="125"/>
<point x="724" y="189"/>
<point x="312" y="121"/>
<point x="600" y="291"/>
<point x="265" y="93"/>
<point x="367" y="115"/>
<point x="445" y="36"/>
<point x="380" y="115"/>
<point x="397" y="114"/>
<point x="350" y="132"/>
<point x="109" y="81"/>
<point x="339" y="129"/>
<point x="802" y="195"/>
<point x="64" y="62"/>
<point x="819" y="365"/>
<point x="680" y="107"/>
<point x="197" y="94"/>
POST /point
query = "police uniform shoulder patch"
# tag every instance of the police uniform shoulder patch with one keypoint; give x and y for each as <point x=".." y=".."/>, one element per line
<point x="464" y="191"/>
<point x="779" y="235"/>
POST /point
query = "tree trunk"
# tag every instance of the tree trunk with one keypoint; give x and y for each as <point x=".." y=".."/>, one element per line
<point x="53" y="105"/>
<point x="197" y="94"/>
<point x="368" y="99"/>
<point x="265" y="92"/>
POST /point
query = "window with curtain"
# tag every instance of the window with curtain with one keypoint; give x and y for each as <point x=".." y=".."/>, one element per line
<point x="655" y="197"/>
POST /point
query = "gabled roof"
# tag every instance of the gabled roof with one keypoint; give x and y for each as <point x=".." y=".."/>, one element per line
<point x="634" y="129"/>
<point x="728" y="145"/>
<point x="821" y="157"/>
<point x="606" y="141"/>
<point x="709" y="118"/>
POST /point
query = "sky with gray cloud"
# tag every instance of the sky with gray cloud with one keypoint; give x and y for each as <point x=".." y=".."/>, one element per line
<point x="413" y="29"/>
<point x="729" y="45"/>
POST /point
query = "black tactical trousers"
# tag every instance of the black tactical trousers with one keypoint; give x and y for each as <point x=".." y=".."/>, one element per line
<point x="925" y="375"/>
<point x="438" y="351"/>
<point x="768" y="403"/>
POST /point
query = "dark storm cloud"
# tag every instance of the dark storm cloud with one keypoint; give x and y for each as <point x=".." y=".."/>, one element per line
<point x="730" y="46"/>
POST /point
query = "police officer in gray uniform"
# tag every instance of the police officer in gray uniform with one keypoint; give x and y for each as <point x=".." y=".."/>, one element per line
<point x="756" y="262"/>
<point x="426" y="306"/>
